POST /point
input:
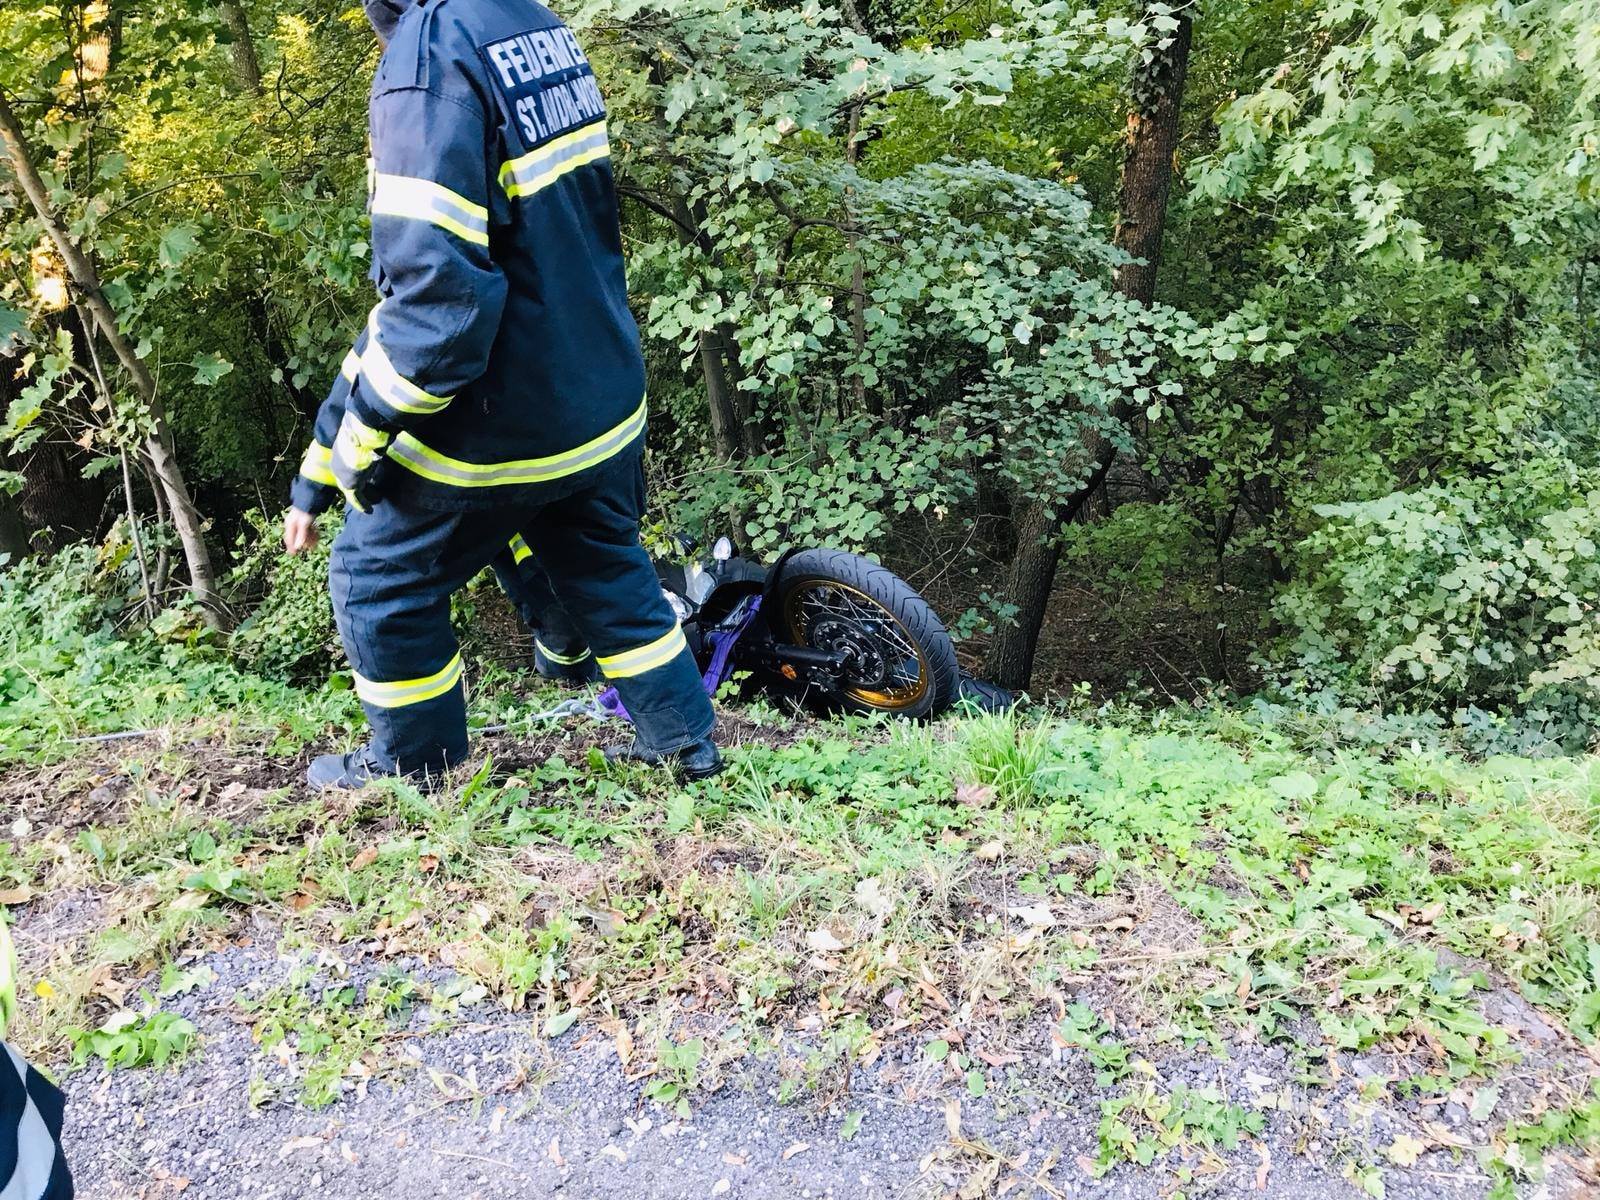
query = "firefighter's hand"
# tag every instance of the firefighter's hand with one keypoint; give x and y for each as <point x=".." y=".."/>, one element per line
<point x="299" y="531"/>
<point x="358" y="461"/>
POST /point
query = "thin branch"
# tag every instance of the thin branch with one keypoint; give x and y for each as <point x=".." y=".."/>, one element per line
<point x="167" y="187"/>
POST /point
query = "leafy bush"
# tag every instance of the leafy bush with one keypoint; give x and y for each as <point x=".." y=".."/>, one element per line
<point x="290" y="634"/>
<point x="840" y="485"/>
<point x="69" y="670"/>
<point x="1481" y="591"/>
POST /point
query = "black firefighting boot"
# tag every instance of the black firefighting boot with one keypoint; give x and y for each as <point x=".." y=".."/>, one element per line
<point x="699" y="760"/>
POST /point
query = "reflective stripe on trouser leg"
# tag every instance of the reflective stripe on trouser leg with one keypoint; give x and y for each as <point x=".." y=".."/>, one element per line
<point x="667" y="702"/>
<point x="403" y="693"/>
<point x="557" y="643"/>
<point x="416" y="737"/>
<point x="560" y="659"/>
<point x="391" y="575"/>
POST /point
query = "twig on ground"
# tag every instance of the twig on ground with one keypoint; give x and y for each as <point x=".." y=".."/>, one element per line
<point x="989" y="1152"/>
<point x="493" y="1162"/>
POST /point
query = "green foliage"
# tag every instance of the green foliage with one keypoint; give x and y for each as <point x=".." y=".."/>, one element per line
<point x="888" y="232"/>
<point x="1146" y="1123"/>
<point x="289" y="633"/>
<point x="1480" y="591"/>
<point x="128" y="1039"/>
<point x="69" y="671"/>
<point x="677" y="1073"/>
<point x="1522" y="1155"/>
<point x="326" y="1028"/>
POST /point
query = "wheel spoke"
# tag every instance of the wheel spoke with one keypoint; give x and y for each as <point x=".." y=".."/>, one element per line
<point x="904" y="674"/>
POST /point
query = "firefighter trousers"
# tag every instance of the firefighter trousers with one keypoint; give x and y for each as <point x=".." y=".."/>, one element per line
<point x="394" y="569"/>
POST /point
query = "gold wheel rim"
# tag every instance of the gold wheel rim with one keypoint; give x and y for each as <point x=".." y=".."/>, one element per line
<point x="805" y="603"/>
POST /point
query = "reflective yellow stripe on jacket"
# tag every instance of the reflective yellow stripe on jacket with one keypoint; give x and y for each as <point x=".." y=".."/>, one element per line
<point x="425" y="200"/>
<point x="387" y="384"/>
<point x="417" y="457"/>
<point x="317" y="465"/>
<point x="539" y="168"/>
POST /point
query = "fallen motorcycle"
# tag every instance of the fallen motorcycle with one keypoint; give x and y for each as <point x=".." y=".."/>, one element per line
<point x="828" y="628"/>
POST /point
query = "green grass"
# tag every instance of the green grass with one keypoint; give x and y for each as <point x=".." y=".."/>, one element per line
<point x="1212" y="874"/>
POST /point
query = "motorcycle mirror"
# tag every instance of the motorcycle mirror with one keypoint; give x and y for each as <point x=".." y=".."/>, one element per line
<point x="723" y="550"/>
<point x="686" y="543"/>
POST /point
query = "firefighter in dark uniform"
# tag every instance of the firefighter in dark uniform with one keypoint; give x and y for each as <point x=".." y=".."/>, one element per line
<point x="497" y="390"/>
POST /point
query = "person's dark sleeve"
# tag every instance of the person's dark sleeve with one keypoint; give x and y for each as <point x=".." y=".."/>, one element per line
<point x="431" y="334"/>
<point x="314" y="489"/>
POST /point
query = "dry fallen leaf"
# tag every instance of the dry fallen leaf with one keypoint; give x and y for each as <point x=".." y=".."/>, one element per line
<point x="869" y="894"/>
<point x="1265" y="1168"/>
<point x="554" y="1152"/>
<point x="580" y="993"/>
<point x="349" y="1155"/>
<point x="824" y="941"/>
<point x="1405" y="1150"/>
<point x="981" y="1181"/>
<point x="298" y="1143"/>
<point x="974" y="795"/>
<point x="952" y="1117"/>
<point x="797" y="1148"/>
<point x="428" y="862"/>
<point x="736" y="1160"/>
<point x="16" y="895"/>
<point x="365" y="859"/>
<point x="990" y="851"/>
<point x="624" y="1043"/>
<point x="1037" y="915"/>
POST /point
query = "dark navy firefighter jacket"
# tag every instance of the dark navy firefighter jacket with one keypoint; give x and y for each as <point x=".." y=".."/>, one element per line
<point x="501" y="351"/>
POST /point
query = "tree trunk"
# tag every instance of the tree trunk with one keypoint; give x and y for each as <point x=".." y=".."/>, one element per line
<point x="1152" y="142"/>
<point x="56" y="505"/>
<point x="186" y="518"/>
<point x="719" y="395"/>
<point x="245" y="63"/>
<point x="1152" y="145"/>
<point x="1031" y="578"/>
<point x="13" y="533"/>
<point x="734" y="428"/>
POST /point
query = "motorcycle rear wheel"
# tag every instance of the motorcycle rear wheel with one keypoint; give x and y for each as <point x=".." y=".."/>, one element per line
<point x="901" y="659"/>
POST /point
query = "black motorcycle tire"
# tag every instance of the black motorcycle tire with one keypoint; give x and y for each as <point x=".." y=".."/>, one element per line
<point x="885" y="589"/>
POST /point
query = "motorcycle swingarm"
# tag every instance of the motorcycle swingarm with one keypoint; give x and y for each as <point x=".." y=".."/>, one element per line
<point x="792" y="661"/>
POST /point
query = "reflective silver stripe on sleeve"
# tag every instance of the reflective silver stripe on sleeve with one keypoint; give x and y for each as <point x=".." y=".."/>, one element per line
<point x="425" y="200"/>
